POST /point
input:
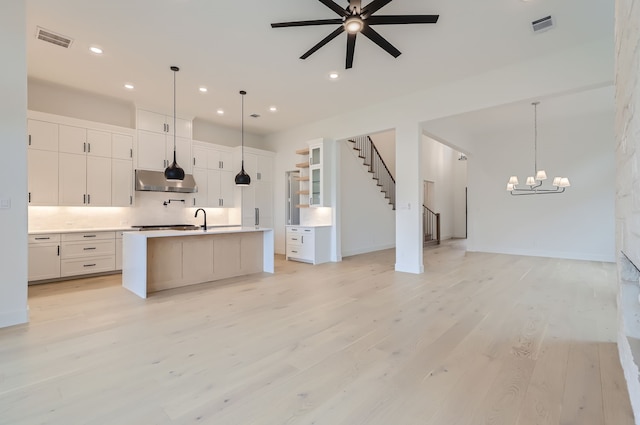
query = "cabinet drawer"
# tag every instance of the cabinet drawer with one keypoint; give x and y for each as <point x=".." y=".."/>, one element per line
<point x="74" y="267"/>
<point x="75" y="237"/>
<point x="88" y="249"/>
<point x="48" y="238"/>
<point x="301" y="252"/>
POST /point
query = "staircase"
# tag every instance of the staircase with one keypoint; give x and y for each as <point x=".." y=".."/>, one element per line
<point x="376" y="166"/>
<point x="430" y="226"/>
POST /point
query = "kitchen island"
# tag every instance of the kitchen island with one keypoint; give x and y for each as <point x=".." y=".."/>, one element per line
<point x="166" y="259"/>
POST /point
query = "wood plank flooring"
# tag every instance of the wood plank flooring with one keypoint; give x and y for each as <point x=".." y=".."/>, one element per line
<point x="477" y="339"/>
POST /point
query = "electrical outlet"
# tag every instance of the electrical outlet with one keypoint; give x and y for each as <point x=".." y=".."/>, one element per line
<point x="5" y="203"/>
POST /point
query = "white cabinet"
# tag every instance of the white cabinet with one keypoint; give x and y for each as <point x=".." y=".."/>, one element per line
<point x="119" y="250"/>
<point x="121" y="146"/>
<point x="86" y="253"/>
<point x="43" y="135"/>
<point x="155" y="151"/>
<point x="42" y="170"/>
<point x="78" y="140"/>
<point x="309" y="244"/>
<point x="212" y="172"/>
<point x="259" y="194"/>
<point x="159" y="123"/>
<point x="316" y="186"/>
<point x="84" y="180"/>
<point x="121" y="183"/>
<point x="44" y="257"/>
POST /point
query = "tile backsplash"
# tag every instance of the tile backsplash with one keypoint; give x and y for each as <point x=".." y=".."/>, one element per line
<point x="149" y="209"/>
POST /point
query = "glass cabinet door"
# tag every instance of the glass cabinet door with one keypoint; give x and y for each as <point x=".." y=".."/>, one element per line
<point x="314" y="156"/>
<point x="315" y="195"/>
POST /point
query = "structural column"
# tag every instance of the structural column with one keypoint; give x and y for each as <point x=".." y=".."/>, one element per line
<point x="13" y="164"/>
<point x="408" y="199"/>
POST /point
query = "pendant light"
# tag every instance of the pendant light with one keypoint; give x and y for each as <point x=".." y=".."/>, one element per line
<point x="173" y="171"/>
<point x="242" y="178"/>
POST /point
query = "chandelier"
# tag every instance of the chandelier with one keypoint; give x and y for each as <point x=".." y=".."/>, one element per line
<point x="535" y="183"/>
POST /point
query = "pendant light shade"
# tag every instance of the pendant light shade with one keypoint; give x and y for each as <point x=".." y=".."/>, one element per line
<point x="173" y="171"/>
<point x="242" y="178"/>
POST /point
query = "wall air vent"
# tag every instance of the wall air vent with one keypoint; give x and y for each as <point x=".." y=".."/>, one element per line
<point x="53" y="38"/>
<point x="542" y="24"/>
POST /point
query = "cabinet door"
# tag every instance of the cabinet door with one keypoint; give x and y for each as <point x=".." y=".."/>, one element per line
<point x="43" y="177"/>
<point x="98" y="181"/>
<point x="72" y="179"/>
<point x="183" y="127"/>
<point x="118" y="253"/>
<point x="201" y="197"/>
<point x="315" y="155"/>
<point x="44" y="261"/>
<point x="213" y="189"/>
<point x="264" y="201"/>
<point x="72" y="139"/>
<point x="121" y="146"/>
<point x="199" y="155"/>
<point x="151" y="151"/>
<point x="43" y="135"/>
<point x="250" y="165"/>
<point x="226" y="160"/>
<point x="227" y="188"/>
<point x="264" y="168"/>
<point x="151" y="121"/>
<point x="98" y="143"/>
<point x="121" y="182"/>
<point x="315" y="194"/>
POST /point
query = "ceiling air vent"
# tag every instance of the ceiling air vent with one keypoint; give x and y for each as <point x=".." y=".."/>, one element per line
<point x="53" y="38"/>
<point x="542" y="24"/>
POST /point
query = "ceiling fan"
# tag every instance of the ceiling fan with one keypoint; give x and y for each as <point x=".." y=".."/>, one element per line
<point x="356" y="19"/>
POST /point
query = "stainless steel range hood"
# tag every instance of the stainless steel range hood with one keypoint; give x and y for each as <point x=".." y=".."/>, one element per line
<point x="154" y="181"/>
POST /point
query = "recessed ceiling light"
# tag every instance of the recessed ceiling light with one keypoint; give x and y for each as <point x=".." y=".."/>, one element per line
<point x="129" y="86"/>
<point x="334" y="75"/>
<point x="96" y="50"/>
<point x="220" y="112"/>
<point x="273" y="109"/>
<point x="203" y="89"/>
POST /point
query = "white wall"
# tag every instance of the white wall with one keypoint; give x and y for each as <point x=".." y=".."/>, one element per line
<point x="367" y="219"/>
<point x="575" y="69"/>
<point x="67" y="101"/>
<point x="13" y="165"/>
<point x="577" y="224"/>
<point x="440" y="165"/>
<point x="207" y="131"/>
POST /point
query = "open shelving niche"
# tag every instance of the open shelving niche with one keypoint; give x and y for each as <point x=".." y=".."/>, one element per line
<point x="303" y="178"/>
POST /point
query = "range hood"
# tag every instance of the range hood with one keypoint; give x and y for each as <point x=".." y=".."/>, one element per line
<point x="154" y="181"/>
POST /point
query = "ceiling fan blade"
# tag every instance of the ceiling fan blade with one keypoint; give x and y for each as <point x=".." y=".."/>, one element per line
<point x="355" y="6"/>
<point x="372" y="35"/>
<point x="351" y="49"/>
<point x="373" y="7"/>
<point x="322" y="42"/>
<point x="335" y="7"/>
<point x="402" y="19"/>
<point x="307" y="23"/>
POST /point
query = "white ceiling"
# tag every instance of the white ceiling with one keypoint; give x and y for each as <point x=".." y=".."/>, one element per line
<point x="229" y="45"/>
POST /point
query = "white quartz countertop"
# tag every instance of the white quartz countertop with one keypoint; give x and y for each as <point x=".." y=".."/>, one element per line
<point x="199" y="232"/>
<point x="82" y="230"/>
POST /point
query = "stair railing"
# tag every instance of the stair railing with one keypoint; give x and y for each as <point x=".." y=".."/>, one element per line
<point x="371" y="157"/>
<point x="430" y="226"/>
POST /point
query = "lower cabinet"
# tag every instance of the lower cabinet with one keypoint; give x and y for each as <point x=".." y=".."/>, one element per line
<point x="309" y="244"/>
<point x="44" y="257"/>
<point x="54" y="256"/>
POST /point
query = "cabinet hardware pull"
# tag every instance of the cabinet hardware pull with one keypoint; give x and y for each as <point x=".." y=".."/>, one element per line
<point x="29" y="140"/>
<point x="42" y="239"/>
<point x="130" y="153"/>
<point x="84" y="147"/>
<point x="194" y="161"/>
<point x="89" y="265"/>
<point x="88" y="147"/>
<point x="89" y="249"/>
<point x="89" y="199"/>
<point x="58" y="250"/>
<point x="84" y="199"/>
<point x="29" y="197"/>
<point x="89" y="236"/>
<point x="302" y="239"/>
<point x="220" y="164"/>
<point x="168" y="129"/>
<point x="294" y="251"/>
<point x="130" y="200"/>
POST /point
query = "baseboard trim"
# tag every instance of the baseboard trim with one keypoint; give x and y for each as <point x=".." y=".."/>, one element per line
<point x="349" y="253"/>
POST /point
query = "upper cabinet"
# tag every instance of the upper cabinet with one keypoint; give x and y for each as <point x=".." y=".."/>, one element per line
<point x="315" y="176"/>
<point x="212" y="167"/>
<point x="159" y="123"/>
<point x="71" y="162"/>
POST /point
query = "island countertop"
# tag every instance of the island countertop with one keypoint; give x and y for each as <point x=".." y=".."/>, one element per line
<point x="163" y="259"/>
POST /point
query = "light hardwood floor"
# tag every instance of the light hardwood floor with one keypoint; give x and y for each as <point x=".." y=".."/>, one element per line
<point x="477" y="339"/>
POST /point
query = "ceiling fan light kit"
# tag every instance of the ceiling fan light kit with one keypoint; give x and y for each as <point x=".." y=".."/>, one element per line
<point x="355" y="19"/>
<point x="535" y="183"/>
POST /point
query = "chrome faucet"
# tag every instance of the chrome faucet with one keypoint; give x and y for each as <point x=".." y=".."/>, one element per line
<point x="205" y="217"/>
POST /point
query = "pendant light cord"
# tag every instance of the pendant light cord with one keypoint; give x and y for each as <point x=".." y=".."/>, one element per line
<point x="242" y="92"/>
<point x="174" y="113"/>
<point x="535" y="137"/>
